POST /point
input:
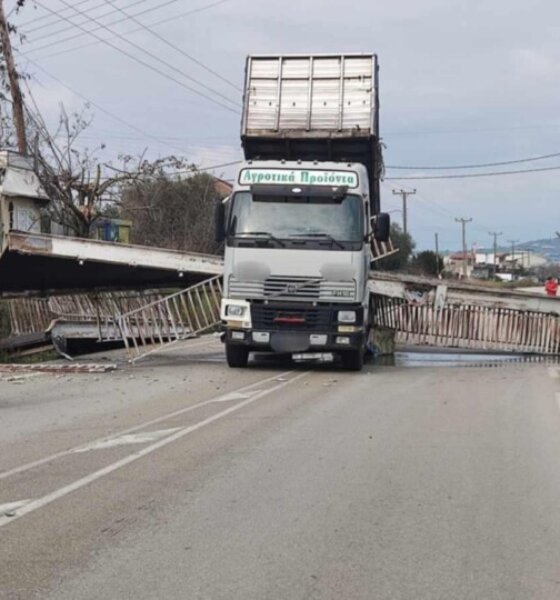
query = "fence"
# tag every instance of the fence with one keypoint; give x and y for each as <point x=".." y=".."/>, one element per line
<point x="170" y="319"/>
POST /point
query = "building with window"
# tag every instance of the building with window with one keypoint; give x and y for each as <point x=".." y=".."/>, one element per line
<point x="21" y="196"/>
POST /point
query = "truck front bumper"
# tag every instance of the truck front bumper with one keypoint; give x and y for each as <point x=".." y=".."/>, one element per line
<point x="297" y="328"/>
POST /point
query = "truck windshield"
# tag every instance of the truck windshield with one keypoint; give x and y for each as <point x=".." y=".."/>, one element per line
<point x="294" y="218"/>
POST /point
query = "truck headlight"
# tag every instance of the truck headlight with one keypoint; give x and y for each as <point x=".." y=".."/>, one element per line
<point x="234" y="310"/>
<point x="346" y="316"/>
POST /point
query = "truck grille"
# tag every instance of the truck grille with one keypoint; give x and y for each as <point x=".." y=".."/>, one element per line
<point x="292" y="288"/>
<point x="275" y="318"/>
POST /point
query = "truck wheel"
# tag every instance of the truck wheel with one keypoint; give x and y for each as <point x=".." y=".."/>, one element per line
<point x="353" y="360"/>
<point x="237" y="356"/>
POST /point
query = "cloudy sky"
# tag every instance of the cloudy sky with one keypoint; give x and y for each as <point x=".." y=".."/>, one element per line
<point x="462" y="82"/>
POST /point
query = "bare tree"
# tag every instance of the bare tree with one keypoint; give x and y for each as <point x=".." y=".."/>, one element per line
<point x="77" y="183"/>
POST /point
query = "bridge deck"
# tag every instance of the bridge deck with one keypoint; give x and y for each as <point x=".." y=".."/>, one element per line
<point x="45" y="264"/>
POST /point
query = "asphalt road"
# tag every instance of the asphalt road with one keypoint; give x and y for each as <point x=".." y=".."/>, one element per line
<point x="178" y="478"/>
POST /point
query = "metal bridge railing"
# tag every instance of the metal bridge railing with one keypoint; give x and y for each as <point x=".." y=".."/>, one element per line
<point x="455" y="314"/>
<point x="176" y="317"/>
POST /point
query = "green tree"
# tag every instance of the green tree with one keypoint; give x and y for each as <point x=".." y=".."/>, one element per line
<point x="426" y="263"/>
<point x="175" y="214"/>
<point x="404" y="242"/>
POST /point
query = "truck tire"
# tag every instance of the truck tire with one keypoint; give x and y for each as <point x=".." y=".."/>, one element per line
<point x="237" y="357"/>
<point x="353" y="360"/>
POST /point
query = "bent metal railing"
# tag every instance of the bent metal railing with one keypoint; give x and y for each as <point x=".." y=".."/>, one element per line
<point x="173" y="318"/>
<point x="454" y="315"/>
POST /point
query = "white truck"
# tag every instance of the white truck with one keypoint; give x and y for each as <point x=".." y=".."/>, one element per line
<point x="304" y="213"/>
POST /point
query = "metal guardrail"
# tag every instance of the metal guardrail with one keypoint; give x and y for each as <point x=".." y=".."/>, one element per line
<point x="34" y="315"/>
<point x="473" y="327"/>
<point x="176" y="317"/>
<point x="455" y="315"/>
<point x="29" y="315"/>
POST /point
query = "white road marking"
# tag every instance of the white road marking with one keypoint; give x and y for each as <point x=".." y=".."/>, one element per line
<point x="12" y="507"/>
<point x="130" y="438"/>
<point x="236" y="396"/>
<point x="80" y="483"/>
<point x="181" y="411"/>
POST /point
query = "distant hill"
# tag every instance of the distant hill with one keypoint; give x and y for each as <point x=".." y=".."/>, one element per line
<point x="549" y="248"/>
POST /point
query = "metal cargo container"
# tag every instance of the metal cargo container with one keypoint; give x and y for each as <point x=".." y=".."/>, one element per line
<point x="313" y="107"/>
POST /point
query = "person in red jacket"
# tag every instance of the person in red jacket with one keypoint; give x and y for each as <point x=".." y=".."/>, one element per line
<point x="551" y="286"/>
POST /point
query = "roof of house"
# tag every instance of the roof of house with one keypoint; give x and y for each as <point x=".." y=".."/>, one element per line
<point x="222" y="187"/>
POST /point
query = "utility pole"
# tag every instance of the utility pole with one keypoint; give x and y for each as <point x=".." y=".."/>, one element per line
<point x="17" y="98"/>
<point x="496" y="234"/>
<point x="464" y="222"/>
<point x="405" y="194"/>
<point x="437" y="253"/>
<point x="513" y="242"/>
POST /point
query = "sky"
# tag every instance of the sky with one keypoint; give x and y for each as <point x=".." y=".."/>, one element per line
<point x="462" y="82"/>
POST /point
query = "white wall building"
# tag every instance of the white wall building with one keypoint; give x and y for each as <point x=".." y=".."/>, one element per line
<point x="21" y="195"/>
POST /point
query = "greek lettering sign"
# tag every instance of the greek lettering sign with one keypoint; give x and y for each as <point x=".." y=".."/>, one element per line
<point x="298" y="177"/>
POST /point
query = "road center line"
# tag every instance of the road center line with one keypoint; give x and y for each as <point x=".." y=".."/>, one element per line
<point x="12" y="507"/>
<point x="41" y="461"/>
<point x="131" y="438"/>
<point x="76" y="485"/>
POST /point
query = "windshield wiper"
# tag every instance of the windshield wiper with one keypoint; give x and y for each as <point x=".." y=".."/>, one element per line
<point x="264" y="233"/>
<point x="326" y="236"/>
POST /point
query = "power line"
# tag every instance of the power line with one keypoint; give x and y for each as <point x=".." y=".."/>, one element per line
<point x="153" y="24"/>
<point x="174" y="47"/>
<point x="57" y="32"/>
<point x="474" y="175"/>
<point x="196" y="170"/>
<point x="122" y="20"/>
<point x="479" y="166"/>
<point x="210" y="168"/>
<point x="437" y="208"/>
<point x="49" y="17"/>
<point x="477" y="130"/>
<point x="99" y="107"/>
<point x="142" y="62"/>
<point x="168" y="65"/>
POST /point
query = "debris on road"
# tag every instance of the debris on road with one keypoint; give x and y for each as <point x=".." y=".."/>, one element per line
<point x="57" y="368"/>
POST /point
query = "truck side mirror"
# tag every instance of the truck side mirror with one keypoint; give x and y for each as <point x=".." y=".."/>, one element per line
<point x="381" y="227"/>
<point x="220" y="222"/>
